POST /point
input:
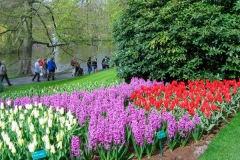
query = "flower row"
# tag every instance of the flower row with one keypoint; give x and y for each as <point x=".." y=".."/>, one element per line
<point x="108" y="121"/>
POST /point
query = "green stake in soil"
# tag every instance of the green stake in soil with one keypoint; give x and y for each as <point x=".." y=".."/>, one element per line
<point x="161" y="135"/>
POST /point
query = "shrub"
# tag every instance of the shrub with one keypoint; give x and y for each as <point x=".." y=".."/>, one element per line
<point x="179" y="39"/>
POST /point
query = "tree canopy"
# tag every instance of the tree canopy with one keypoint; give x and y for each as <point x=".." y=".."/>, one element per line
<point x="178" y="40"/>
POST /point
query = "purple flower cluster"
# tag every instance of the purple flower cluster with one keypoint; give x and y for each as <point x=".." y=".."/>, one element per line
<point x="75" y="146"/>
<point x="171" y="124"/>
<point x="154" y="123"/>
<point x="185" y="125"/>
<point x="196" y="120"/>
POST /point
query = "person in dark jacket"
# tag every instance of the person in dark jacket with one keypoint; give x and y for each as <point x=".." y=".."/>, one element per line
<point x="51" y="68"/>
<point x="45" y="68"/>
<point x="89" y="65"/>
<point x="3" y="73"/>
<point x="94" y="64"/>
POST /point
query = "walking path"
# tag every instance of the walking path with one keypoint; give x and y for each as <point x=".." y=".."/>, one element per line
<point x="28" y="80"/>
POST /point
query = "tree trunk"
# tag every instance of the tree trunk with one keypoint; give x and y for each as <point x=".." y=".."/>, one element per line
<point x="25" y="66"/>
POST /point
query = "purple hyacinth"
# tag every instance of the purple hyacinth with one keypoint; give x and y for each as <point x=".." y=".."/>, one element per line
<point x="75" y="147"/>
<point x="196" y="120"/>
<point x="184" y="125"/>
<point x="154" y="123"/>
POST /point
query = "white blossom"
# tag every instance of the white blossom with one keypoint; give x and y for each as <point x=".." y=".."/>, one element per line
<point x="52" y="149"/>
<point x="59" y="145"/>
<point x="2" y="105"/>
<point x="31" y="147"/>
<point x="31" y="127"/>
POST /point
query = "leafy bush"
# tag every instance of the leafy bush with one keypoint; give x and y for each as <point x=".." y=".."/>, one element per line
<point x="178" y="39"/>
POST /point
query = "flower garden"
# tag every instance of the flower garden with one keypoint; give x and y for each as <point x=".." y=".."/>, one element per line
<point x="114" y="121"/>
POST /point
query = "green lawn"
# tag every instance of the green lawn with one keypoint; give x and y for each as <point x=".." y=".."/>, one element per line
<point x="102" y="76"/>
<point x="226" y="144"/>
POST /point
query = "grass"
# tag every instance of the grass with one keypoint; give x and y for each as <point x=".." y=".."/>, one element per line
<point x="102" y="76"/>
<point x="15" y="76"/>
<point x="225" y="146"/>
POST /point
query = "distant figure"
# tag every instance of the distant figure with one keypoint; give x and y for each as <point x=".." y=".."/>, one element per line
<point x="41" y="66"/>
<point x="51" y="68"/>
<point x="45" y="68"/>
<point x="3" y="73"/>
<point x="73" y="64"/>
<point x="89" y="65"/>
<point x="79" y="69"/>
<point x="94" y="64"/>
<point x="103" y="64"/>
<point x="107" y="59"/>
<point x="37" y="70"/>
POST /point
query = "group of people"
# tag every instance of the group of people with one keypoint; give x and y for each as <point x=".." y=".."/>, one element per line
<point x="3" y="74"/>
<point x="105" y="62"/>
<point x="44" y="68"/>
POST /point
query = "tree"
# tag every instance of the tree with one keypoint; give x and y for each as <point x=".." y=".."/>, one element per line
<point x="30" y="22"/>
<point x="178" y="39"/>
<point x="52" y="23"/>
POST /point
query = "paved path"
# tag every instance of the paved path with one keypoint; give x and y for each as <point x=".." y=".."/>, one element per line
<point x="28" y="80"/>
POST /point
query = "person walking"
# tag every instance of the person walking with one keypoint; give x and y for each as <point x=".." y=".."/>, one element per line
<point x="45" y="68"/>
<point x="94" y="64"/>
<point x="3" y="73"/>
<point x="89" y="65"/>
<point x="51" y="68"/>
<point x="37" y="70"/>
<point x="73" y="64"/>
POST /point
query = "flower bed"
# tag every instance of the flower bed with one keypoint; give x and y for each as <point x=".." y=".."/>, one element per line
<point x="110" y="120"/>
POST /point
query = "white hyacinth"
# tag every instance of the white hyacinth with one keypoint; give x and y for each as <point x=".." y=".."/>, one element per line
<point x="41" y="121"/>
<point x="10" y="119"/>
<point x="36" y="113"/>
<point x="31" y="127"/>
<point x="15" y="110"/>
<point x="50" y="116"/>
<point x="40" y="105"/>
<point x="50" y="110"/>
<point x="52" y="149"/>
<point x="2" y="105"/>
<point x="2" y="116"/>
<point x="61" y="111"/>
<point x="47" y="131"/>
<point x="31" y="147"/>
<point x="3" y="126"/>
<point x="21" y="116"/>
<point x="50" y="123"/>
<point x="47" y="145"/>
<point x="14" y="126"/>
<point x="59" y="145"/>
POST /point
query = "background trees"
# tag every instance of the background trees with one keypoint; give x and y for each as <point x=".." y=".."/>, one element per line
<point x="62" y="23"/>
<point x="178" y="39"/>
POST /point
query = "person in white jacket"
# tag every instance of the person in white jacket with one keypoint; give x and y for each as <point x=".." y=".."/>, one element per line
<point x="37" y="71"/>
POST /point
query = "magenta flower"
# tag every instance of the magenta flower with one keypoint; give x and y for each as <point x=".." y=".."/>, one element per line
<point x="75" y="147"/>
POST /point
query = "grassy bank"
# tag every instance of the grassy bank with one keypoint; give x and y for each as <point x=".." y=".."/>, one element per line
<point x="102" y="76"/>
<point x="225" y="146"/>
